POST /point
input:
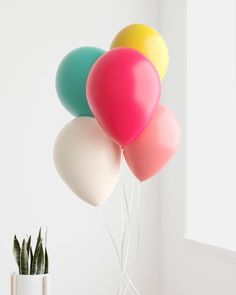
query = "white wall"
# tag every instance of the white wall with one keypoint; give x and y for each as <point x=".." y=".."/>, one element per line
<point x="211" y="143"/>
<point x="35" y="35"/>
<point x="187" y="268"/>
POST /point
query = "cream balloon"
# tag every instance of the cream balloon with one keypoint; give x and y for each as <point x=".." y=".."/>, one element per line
<point x="87" y="160"/>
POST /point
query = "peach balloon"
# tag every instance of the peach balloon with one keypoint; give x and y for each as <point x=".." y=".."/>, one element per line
<point x="156" y="145"/>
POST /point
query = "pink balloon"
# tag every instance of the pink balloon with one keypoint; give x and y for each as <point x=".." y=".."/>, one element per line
<point x="123" y="90"/>
<point x="157" y="144"/>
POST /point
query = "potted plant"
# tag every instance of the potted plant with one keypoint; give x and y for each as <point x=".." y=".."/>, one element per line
<point x="33" y="266"/>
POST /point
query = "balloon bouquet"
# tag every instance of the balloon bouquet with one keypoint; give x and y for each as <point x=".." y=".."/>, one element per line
<point x="114" y="96"/>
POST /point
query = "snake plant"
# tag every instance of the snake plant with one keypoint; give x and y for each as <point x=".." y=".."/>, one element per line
<point x="31" y="262"/>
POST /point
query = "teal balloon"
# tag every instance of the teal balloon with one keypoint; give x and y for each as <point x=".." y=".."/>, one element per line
<point x="71" y="79"/>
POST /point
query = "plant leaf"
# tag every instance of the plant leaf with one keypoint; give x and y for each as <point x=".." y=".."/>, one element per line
<point x="29" y="245"/>
<point x="16" y="251"/>
<point x="36" y="252"/>
<point x="46" y="261"/>
<point x="29" y="261"/>
<point x="24" y="259"/>
<point x="31" y="255"/>
<point x="40" y="261"/>
<point x="39" y="236"/>
<point x="35" y="258"/>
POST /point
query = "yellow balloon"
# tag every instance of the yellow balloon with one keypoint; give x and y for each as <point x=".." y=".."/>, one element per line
<point x="147" y="41"/>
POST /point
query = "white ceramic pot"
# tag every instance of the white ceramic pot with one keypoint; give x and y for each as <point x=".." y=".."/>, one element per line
<point x="30" y="284"/>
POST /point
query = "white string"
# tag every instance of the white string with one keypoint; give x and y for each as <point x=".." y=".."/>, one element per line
<point x="128" y="247"/>
<point x="128" y="208"/>
<point x="124" y="223"/>
<point x="122" y="218"/>
<point x="127" y="231"/>
<point x="125" y="198"/>
<point x="110" y="235"/>
<point x="116" y="250"/>
<point x="138" y="219"/>
<point x="138" y="233"/>
<point x="127" y="223"/>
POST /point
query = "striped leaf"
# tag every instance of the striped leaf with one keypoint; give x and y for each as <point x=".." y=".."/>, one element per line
<point x="24" y="259"/>
<point x="29" y="245"/>
<point x="29" y="261"/>
<point x="35" y="258"/>
<point x="40" y="261"/>
<point x="16" y="251"/>
<point x="31" y="255"/>
<point x="46" y="269"/>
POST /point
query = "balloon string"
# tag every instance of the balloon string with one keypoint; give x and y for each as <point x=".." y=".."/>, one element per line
<point x="138" y="234"/>
<point x="122" y="235"/>
<point x="123" y="188"/>
<point x="129" y="236"/>
<point x="126" y="199"/>
<point x="126" y="231"/>
<point x="128" y="209"/>
<point x="116" y="248"/>
<point x="110" y="235"/>
<point x="125" y="207"/>
<point x="122" y="218"/>
<point x="130" y="283"/>
<point x="128" y="220"/>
